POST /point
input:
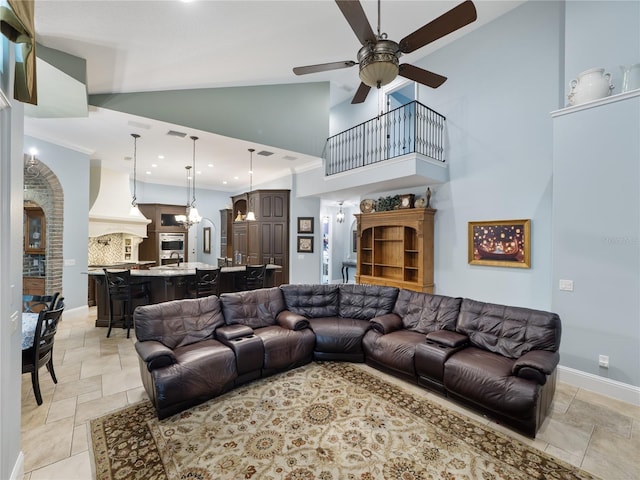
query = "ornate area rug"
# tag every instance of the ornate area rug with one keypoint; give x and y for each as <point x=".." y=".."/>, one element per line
<point x="324" y="421"/>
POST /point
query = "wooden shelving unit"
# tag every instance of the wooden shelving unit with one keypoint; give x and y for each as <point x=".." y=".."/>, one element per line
<point x="395" y="248"/>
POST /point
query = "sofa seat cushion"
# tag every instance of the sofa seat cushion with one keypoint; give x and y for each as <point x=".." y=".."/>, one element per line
<point x="284" y="348"/>
<point x="395" y="350"/>
<point x="202" y="370"/>
<point x="339" y="335"/>
<point x="485" y="378"/>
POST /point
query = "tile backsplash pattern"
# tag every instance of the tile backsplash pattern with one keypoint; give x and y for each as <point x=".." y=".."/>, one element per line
<point x="107" y="249"/>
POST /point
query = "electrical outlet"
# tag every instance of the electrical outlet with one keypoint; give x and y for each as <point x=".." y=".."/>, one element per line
<point x="603" y="361"/>
<point x="566" y="285"/>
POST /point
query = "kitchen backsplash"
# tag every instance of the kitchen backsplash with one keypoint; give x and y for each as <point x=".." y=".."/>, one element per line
<point x="33" y="265"/>
<point x="107" y="249"/>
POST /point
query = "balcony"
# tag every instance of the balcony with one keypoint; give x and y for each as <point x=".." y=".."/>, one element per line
<point x="410" y="129"/>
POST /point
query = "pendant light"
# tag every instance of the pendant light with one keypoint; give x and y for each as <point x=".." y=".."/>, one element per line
<point x="340" y="215"/>
<point x="192" y="212"/>
<point x="135" y="211"/>
<point x="251" y="216"/>
<point x="192" y="216"/>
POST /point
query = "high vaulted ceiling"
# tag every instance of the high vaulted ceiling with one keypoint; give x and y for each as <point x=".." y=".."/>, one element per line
<point x="155" y="45"/>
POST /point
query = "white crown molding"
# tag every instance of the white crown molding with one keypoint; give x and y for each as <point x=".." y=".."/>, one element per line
<point x="604" y="386"/>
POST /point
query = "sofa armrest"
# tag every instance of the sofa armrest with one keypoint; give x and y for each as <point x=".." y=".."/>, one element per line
<point x="536" y="365"/>
<point x="448" y="338"/>
<point x="386" y="323"/>
<point x="155" y="354"/>
<point x="292" y="321"/>
<point x="230" y="332"/>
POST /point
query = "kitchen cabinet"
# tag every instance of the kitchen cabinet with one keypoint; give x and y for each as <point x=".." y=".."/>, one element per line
<point x="33" y="285"/>
<point x="162" y="218"/>
<point x="35" y="236"/>
<point x="395" y="248"/>
<point x="265" y="240"/>
<point x="226" y="235"/>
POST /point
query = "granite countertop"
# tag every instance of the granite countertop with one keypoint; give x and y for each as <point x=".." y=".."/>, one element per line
<point x="173" y="270"/>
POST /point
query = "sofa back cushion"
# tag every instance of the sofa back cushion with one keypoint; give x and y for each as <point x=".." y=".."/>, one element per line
<point x="254" y="308"/>
<point x="179" y="322"/>
<point x="509" y="331"/>
<point x="311" y="301"/>
<point x="364" y="302"/>
<point x="424" y="312"/>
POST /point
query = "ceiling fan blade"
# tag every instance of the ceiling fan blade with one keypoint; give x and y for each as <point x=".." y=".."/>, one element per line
<point x="361" y="94"/>
<point x="323" y="67"/>
<point x="419" y="75"/>
<point x="357" y="19"/>
<point x="456" y="18"/>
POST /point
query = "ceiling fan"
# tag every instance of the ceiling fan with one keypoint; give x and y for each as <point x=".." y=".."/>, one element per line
<point x="379" y="57"/>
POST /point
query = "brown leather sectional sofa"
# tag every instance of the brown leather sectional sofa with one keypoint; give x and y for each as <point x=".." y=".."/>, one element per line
<point x="498" y="359"/>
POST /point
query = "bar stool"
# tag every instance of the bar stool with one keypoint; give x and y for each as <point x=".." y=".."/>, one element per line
<point x="207" y="283"/>
<point x="253" y="277"/>
<point x="120" y="289"/>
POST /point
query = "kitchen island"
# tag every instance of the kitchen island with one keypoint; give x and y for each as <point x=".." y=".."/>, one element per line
<point x="166" y="283"/>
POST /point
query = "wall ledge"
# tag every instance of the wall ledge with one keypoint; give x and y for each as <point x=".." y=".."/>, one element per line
<point x="596" y="103"/>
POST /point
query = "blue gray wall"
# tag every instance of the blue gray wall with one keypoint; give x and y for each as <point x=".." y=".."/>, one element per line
<point x="72" y="169"/>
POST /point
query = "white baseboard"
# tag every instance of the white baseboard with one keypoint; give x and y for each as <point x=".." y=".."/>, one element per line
<point x="604" y="386"/>
<point x="18" y="468"/>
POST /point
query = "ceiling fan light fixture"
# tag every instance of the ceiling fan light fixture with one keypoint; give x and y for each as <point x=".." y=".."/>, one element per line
<point x="379" y="64"/>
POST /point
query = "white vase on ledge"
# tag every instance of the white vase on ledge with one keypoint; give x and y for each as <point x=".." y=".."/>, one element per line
<point x="590" y="85"/>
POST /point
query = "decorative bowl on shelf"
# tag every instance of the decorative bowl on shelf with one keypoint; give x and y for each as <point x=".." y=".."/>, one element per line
<point x="368" y="205"/>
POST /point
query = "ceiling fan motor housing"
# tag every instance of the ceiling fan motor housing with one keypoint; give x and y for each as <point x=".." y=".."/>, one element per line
<point x="379" y="63"/>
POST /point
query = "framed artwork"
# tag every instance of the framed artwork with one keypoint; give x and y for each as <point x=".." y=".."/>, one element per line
<point x="500" y="243"/>
<point x="206" y="239"/>
<point x="305" y="224"/>
<point x="305" y="244"/>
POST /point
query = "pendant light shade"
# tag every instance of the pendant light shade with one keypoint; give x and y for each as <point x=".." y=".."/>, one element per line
<point x="251" y="216"/>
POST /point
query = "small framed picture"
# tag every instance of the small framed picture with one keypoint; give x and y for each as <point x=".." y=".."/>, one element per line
<point x="305" y="244"/>
<point x="206" y="239"/>
<point x="305" y="224"/>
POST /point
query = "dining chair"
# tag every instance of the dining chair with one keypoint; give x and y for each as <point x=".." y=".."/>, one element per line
<point x="207" y="282"/>
<point x="41" y="352"/>
<point x="121" y="290"/>
<point x="36" y="303"/>
<point x="253" y="277"/>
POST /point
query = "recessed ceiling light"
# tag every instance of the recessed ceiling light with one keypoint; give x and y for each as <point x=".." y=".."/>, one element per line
<point x="199" y="172"/>
<point x="154" y="165"/>
<point x="235" y="178"/>
<point x="224" y="182"/>
<point x="148" y="172"/>
<point x="161" y="157"/>
<point x="210" y="165"/>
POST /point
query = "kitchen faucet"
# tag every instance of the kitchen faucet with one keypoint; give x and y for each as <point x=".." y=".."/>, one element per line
<point x="178" y="255"/>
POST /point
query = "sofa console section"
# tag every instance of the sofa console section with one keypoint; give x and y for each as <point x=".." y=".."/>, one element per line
<point x="430" y="358"/>
<point x="248" y="349"/>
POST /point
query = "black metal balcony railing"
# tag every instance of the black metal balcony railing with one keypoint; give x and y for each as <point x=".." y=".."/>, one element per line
<point x="411" y="128"/>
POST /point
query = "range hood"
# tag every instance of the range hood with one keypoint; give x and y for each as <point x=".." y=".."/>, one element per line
<point x="111" y="209"/>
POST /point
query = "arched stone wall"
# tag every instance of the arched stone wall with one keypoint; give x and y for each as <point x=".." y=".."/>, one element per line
<point x="45" y="190"/>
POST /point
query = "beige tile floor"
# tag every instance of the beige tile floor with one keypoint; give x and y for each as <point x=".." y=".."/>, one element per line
<point x="98" y="374"/>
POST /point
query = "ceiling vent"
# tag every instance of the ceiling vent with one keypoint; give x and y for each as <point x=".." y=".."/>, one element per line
<point x="173" y="133"/>
<point x="290" y="158"/>
<point x="133" y="123"/>
<point x="264" y="153"/>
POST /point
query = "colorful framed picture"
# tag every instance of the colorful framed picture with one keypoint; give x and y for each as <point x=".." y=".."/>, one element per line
<point x="305" y="224"/>
<point x="305" y="244"/>
<point x="500" y="243"/>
